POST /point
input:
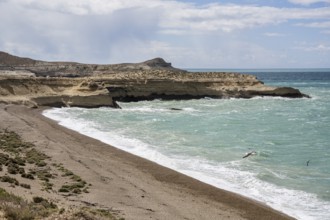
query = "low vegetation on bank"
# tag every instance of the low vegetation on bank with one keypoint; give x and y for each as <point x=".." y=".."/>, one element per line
<point x="23" y="166"/>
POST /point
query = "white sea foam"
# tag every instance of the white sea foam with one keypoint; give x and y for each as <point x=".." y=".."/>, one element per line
<point x="232" y="176"/>
<point x="88" y="128"/>
<point x="229" y="176"/>
<point x="272" y="98"/>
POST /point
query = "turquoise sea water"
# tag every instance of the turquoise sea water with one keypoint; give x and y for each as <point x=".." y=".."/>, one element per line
<point x="208" y="138"/>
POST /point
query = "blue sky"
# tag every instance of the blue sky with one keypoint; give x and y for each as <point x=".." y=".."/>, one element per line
<point x="188" y="33"/>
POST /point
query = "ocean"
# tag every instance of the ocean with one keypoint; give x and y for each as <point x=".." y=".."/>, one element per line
<point x="208" y="138"/>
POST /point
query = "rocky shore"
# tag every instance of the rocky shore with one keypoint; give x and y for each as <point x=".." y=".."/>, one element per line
<point x="39" y="83"/>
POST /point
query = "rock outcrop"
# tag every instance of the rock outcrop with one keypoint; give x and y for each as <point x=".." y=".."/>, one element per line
<point x="39" y="83"/>
<point x="55" y="92"/>
<point x="167" y="85"/>
<point x="71" y="69"/>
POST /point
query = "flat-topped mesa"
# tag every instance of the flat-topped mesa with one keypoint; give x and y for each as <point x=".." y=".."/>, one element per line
<point x="32" y="82"/>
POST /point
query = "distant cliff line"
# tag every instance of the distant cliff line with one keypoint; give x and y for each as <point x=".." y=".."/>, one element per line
<point x="72" y="69"/>
<point x="40" y="83"/>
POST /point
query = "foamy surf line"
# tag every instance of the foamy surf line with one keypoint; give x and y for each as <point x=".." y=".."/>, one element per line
<point x="222" y="175"/>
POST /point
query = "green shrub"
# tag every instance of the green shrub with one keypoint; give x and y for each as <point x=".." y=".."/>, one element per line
<point x="43" y="174"/>
<point x="8" y="179"/>
<point x="28" y="176"/>
<point x="48" y="186"/>
<point x="21" y="170"/>
<point x="20" y="161"/>
<point x="26" y="186"/>
<point x="14" y="213"/>
<point x="34" y="157"/>
<point x="67" y="173"/>
<point x="44" y="202"/>
<point x="3" y="158"/>
<point x="76" y="190"/>
<point x="13" y="168"/>
<point x="62" y="210"/>
<point x="74" y="187"/>
<point x="64" y="190"/>
<point x="38" y="199"/>
<point x="41" y="164"/>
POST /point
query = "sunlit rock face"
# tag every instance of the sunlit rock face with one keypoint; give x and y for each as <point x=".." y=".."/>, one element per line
<point x="39" y="83"/>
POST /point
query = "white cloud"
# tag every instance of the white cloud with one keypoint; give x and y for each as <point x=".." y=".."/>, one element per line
<point x="84" y="38"/>
<point x="80" y="7"/>
<point x="274" y="34"/>
<point x="227" y="18"/>
<point x="316" y="47"/>
<point x="176" y="17"/>
<point x="308" y="2"/>
<point x="110" y="31"/>
<point x="324" y="24"/>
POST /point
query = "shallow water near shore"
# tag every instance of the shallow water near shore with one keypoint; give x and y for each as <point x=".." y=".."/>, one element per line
<point x="207" y="138"/>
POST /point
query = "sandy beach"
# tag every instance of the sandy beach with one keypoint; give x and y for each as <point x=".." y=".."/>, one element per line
<point x="130" y="186"/>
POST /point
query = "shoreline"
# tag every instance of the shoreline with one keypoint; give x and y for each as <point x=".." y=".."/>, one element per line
<point x="137" y="188"/>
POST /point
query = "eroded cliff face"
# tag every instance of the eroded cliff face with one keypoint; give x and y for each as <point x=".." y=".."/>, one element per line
<point x="38" y="83"/>
<point x="102" y="91"/>
<point x="55" y="92"/>
<point x="144" y="85"/>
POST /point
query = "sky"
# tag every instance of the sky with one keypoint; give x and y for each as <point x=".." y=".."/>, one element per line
<point x="187" y="33"/>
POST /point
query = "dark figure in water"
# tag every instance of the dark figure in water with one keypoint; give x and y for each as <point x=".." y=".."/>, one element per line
<point x="250" y="154"/>
<point x="307" y="163"/>
<point x="176" y="109"/>
<point x="115" y="104"/>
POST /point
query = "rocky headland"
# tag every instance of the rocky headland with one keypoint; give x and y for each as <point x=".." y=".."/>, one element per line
<point x="39" y="83"/>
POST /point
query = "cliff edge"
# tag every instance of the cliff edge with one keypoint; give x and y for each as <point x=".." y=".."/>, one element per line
<point x="40" y="83"/>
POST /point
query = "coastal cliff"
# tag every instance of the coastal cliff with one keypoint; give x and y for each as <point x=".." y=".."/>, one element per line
<point x="55" y="92"/>
<point x="39" y="83"/>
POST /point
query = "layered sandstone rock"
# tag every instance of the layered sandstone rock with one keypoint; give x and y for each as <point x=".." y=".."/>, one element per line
<point x="56" y="92"/>
<point x="184" y="85"/>
<point x="35" y="83"/>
